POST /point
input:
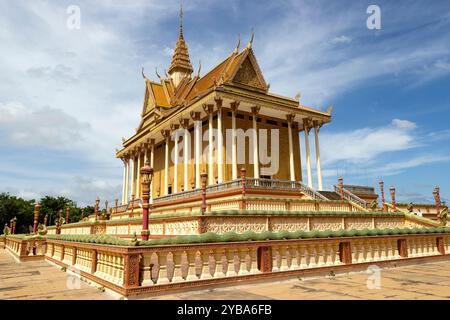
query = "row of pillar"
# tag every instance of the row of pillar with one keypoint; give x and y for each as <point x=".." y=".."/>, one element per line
<point x="133" y="163"/>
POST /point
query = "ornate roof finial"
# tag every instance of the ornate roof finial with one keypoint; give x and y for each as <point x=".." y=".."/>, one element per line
<point x="249" y="45"/>
<point x="157" y="74"/>
<point x="181" y="18"/>
<point x="236" y="50"/>
<point x="199" y="67"/>
<point x="143" y="74"/>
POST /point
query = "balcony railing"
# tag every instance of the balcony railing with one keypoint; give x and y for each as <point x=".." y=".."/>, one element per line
<point x="251" y="183"/>
<point x="351" y="197"/>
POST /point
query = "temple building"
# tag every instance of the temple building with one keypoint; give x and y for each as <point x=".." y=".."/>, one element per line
<point x="218" y="123"/>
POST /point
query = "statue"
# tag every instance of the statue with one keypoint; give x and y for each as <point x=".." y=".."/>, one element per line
<point x="41" y="229"/>
<point x="6" y="230"/>
<point x="443" y="216"/>
<point x="373" y="205"/>
<point x="410" y="207"/>
<point x="103" y="215"/>
<point x="30" y="230"/>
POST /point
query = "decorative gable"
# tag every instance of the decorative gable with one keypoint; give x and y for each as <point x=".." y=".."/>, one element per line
<point x="248" y="73"/>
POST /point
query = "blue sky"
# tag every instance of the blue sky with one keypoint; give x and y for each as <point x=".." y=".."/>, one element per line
<point x="68" y="96"/>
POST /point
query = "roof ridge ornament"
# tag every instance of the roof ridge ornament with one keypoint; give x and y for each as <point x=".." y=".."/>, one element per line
<point x="199" y="68"/>
<point x="250" y="43"/>
<point x="236" y="50"/>
<point x="143" y="74"/>
<point x="157" y="74"/>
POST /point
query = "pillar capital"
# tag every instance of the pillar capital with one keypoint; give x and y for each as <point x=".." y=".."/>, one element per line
<point x="184" y="123"/>
<point x="208" y="108"/>
<point x="290" y="118"/>
<point x="174" y="127"/>
<point x="307" y="124"/>
<point x="219" y="102"/>
<point x="255" y="110"/>
<point x="234" y="106"/>
<point x="165" y="133"/>
<point x="195" y="116"/>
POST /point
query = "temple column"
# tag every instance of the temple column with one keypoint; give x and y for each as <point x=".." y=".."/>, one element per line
<point x="124" y="179"/>
<point x="209" y="109"/>
<point x="152" y="158"/>
<point x="175" y="160"/>
<point x="255" y="111"/>
<point x="133" y="175"/>
<point x="308" y="153"/>
<point x="219" y="141"/>
<point x="197" y="146"/>
<point x="166" y="135"/>
<point x="290" y="118"/>
<point x="234" y="171"/>
<point x="185" y="125"/>
<point x="137" y="175"/>
<point x="319" y="168"/>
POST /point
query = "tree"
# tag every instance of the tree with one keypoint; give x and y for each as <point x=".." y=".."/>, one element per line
<point x="11" y="206"/>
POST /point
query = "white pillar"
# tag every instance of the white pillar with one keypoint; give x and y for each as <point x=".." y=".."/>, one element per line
<point x="211" y="150"/>
<point x="175" y="164"/>
<point x="166" y="165"/>
<point x="291" y="148"/>
<point x="234" y="171"/>
<point x="219" y="144"/>
<point x="127" y="181"/>
<point x="198" y="149"/>
<point x="308" y="155"/>
<point x="186" y="154"/>
<point x="138" y="176"/>
<point x="152" y="157"/>
<point x="319" y="168"/>
<point x="255" y="111"/>
<point x="124" y="180"/>
<point x="133" y="168"/>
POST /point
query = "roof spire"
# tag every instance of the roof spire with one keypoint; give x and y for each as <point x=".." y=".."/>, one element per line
<point x="181" y="18"/>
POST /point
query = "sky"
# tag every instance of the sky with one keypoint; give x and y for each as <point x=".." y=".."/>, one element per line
<point x="68" y="95"/>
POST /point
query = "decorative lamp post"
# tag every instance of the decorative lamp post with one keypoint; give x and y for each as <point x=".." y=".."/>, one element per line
<point x="146" y="180"/>
<point x="394" y="207"/>
<point x="382" y="192"/>
<point x="97" y="203"/>
<point x="437" y="198"/>
<point x="204" y="177"/>
<point x="341" y="187"/>
<point x="45" y="220"/>
<point x="11" y="224"/>
<point x="244" y="180"/>
<point x="14" y="222"/>
<point x="82" y="214"/>
<point x="37" y="206"/>
<point x="116" y="204"/>
<point x="67" y="215"/>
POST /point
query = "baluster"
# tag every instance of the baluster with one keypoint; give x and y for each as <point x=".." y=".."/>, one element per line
<point x="313" y="256"/>
<point x="302" y="256"/>
<point x="355" y="251"/>
<point x="231" y="272"/>
<point x="162" y="277"/>
<point x="284" y="252"/>
<point x="254" y="260"/>
<point x="242" y="253"/>
<point x="329" y="254"/>
<point x="320" y="254"/>
<point x="205" y="270"/>
<point x="191" y="274"/>
<point x="308" y="253"/>
<point x="275" y="259"/>
<point x="177" y="266"/>
<point x="295" y="257"/>
<point x="220" y="271"/>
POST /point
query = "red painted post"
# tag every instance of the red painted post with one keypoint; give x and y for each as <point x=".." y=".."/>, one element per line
<point x="394" y="206"/>
<point x="146" y="180"/>
<point x="204" y="177"/>
<point x="341" y="187"/>
<point x="37" y="206"/>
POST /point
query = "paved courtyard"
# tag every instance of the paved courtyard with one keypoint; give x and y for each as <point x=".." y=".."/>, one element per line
<point x="40" y="280"/>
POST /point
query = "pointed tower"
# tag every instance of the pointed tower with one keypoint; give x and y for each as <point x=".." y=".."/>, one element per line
<point x="181" y="66"/>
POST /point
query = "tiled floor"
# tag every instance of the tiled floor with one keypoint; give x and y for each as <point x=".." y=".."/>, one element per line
<point x="40" y="280"/>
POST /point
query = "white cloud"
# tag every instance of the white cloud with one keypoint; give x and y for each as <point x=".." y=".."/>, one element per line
<point x="44" y="127"/>
<point x="366" y="144"/>
<point x="341" y="40"/>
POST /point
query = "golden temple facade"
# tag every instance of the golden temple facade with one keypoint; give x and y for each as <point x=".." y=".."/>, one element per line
<point x="217" y="123"/>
